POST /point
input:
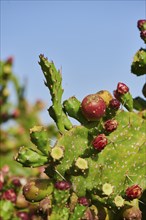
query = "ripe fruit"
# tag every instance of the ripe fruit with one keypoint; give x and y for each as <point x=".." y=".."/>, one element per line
<point x="83" y="201"/>
<point x="62" y="185"/>
<point x="110" y="125"/>
<point x="134" y="192"/>
<point x="9" y="195"/>
<point x="122" y="88"/>
<point x="100" y="142"/>
<point x="141" y="24"/>
<point x="93" y="107"/>
<point x="114" y="104"/>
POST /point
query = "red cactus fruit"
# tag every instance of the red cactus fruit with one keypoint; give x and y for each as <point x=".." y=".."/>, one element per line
<point x="100" y="142"/>
<point x="16" y="182"/>
<point x="93" y="107"/>
<point x="110" y="125"/>
<point x="122" y="88"/>
<point x="114" y="104"/>
<point x="140" y="24"/>
<point x="134" y="192"/>
<point x="116" y="95"/>
<point x="9" y="195"/>
<point x="83" y="201"/>
<point x="62" y="185"/>
<point x="23" y="215"/>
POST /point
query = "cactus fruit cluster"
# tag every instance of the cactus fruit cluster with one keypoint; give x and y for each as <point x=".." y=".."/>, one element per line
<point x="95" y="170"/>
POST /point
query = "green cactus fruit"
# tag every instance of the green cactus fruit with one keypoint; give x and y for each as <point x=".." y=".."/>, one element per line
<point x="72" y="107"/>
<point x="39" y="137"/>
<point x="30" y="158"/>
<point x="93" y="107"/>
<point x="138" y="66"/>
<point x="38" y="189"/>
<point x="106" y="96"/>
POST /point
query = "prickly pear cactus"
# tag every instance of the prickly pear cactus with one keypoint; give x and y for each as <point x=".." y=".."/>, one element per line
<point x="96" y="170"/>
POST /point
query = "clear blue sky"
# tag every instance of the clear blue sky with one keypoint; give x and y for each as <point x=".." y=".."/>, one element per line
<point x="93" y="41"/>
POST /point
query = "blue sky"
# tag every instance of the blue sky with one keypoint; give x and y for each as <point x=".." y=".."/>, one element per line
<point x="93" y="41"/>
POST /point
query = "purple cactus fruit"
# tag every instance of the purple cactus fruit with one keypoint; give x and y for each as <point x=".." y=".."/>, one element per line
<point x="116" y="95"/>
<point x="9" y="195"/>
<point x="62" y="185"/>
<point x="93" y="107"/>
<point x="110" y="125"/>
<point x="23" y="215"/>
<point x="83" y="201"/>
<point x="122" y="88"/>
<point x="16" y="182"/>
<point x="140" y="24"/>
<point x="134" y="192"/>
<point x="100" y="142"/>
<point x="114" y="104"/>
<point x="143" y="35"/>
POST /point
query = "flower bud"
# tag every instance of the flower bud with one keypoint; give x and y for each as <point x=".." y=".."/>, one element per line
<point x="9" y="195"/>
<point x="110" y="125"/>
<point x="83" y="201"/>
<point x="114" y="104"/>
<point x="134" y="192"/>
<point x="62" y="185"/>
<point x="122" y="88"/>
<point x="100" y="142"/>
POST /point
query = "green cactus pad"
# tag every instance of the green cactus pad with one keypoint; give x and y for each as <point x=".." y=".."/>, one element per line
<point x="39" y="137"/>
<point x="30" y="158"/>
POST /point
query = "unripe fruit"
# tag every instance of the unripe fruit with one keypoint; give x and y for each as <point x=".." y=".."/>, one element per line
<point x="100" y="142"/>
<point x="93" y="107"/>
<point x="83" y="201"/>
<point x="62" y="185"/>
<point x="114" y="104"/>
<point x="141" y="24"/>
<point x="134" y="192"/>
<point x="105" y="95"/>
<point x="110" y="125"/>
<point x="122" y="88"/>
